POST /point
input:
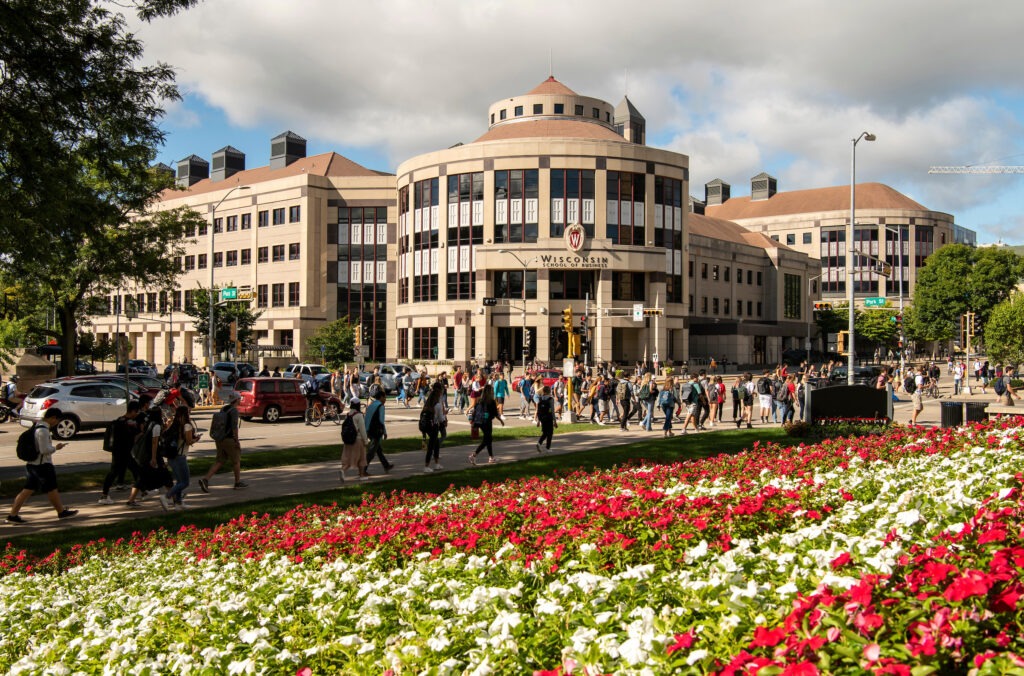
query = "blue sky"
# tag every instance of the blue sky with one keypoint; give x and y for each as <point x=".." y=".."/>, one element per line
<point x="740" y="88"/>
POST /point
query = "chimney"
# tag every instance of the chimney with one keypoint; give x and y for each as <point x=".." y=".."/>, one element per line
<point x="191" y="170"/>
<point x="226" y="162"/>
<point x="696" y="206"/>
<point x="285" y="148"/>
<point x="716" y="192"/>
<point x="762" y="187"/>
<point x="162" y="168"/>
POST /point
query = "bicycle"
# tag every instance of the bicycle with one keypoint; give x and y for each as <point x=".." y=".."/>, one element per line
<point x="317" y="413"/>
<point x="932" y="390"/>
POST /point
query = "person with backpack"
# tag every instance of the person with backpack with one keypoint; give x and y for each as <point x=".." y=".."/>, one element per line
<point x="224" y="432"/>
<point x="746" y="391"/>
<point x="500" y="393"/>
<point x="667" y="402"/>
<point x="689" y="398"/>
<point x="1003" y="387"/>
<point x="310" y="389"/>
<point x="432" y="423"/>
<point x="153" y="472"/>
<point x="783" y="396"/>
<point x="764" y="395"/>
<point x="36" y="448"/>
<point x="525" y="395"/>
<point x="546" y="418"/>
<point x="484" y="414"/>
<point x="174" y="444"/>
<point x="376" y="431"/>
<point x="353" y="441"/>
<point x="118" y="440"/>
<point x="647" y="395"/>
<point x="624" y="393"/>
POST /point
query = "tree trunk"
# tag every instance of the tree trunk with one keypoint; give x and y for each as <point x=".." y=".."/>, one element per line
<point x="68" y="339"/>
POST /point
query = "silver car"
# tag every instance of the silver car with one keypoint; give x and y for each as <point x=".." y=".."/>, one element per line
<point x="85" y="404"/>
<point x="391" y="375"/>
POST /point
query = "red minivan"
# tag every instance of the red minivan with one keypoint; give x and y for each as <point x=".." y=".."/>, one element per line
<point x="273" y="398"/>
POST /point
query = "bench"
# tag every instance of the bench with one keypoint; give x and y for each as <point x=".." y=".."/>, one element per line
<point x="996" y="410"/>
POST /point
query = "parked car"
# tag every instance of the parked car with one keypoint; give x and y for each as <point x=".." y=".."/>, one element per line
<point x="390" y="375"/>
<point x="274" y="398"/>
<point x="85" y="404"/>
<point x="230" y="371"/>
<point x="141" y="366"/>
<point x="137" y="383"/>
<point x="187" y="373"/>
<point x="305" y="371"/>
<point x="547" y="377"/>
<point x="862" y="375"/>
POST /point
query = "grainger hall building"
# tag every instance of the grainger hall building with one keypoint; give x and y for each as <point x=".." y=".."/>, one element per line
<point x="558" y="204"/>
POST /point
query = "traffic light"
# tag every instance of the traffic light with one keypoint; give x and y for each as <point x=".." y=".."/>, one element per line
<point x="653" y="312"/>
<point x="567" y="320"/>
<point x="358" y="334"/>
<point x="841" y="342"/>
<point x="526" y="339"/>
<point x="822" y="305"/>
<point x="898" y="320"/>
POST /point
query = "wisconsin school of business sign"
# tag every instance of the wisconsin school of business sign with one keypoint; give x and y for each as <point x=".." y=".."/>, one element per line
<point x="575" y="238"/>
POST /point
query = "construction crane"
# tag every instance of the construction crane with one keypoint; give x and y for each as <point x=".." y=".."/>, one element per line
<point x="969" y="169"/>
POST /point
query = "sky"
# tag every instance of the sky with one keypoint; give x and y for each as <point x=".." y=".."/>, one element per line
<point x="739" y="87"/>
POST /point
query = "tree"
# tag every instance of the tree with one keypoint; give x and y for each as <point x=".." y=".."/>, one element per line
<point x="225" y="315"/>
<point x="335" y="340"/>
<point x="78" y="131"/>
<point x="1004" y="331"/>
<point x="957" y="279"/>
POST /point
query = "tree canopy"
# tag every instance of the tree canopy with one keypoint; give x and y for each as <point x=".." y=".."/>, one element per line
<point x="239" y="313"/>
<point x="335" y="340"/>
<point x="1004" y="332"/>
<point x="78" y="132"/>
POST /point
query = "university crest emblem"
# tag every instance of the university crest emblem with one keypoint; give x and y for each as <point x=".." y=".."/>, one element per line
<point x="575" y="236"/>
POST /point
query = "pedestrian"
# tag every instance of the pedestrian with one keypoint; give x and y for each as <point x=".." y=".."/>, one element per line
<point x="175" y="442"/>
<point x="500" y="392"/>
<point x="204" y="387"/>
<point x="737" y="399"/>
<point x="119" y="440"/>
<point x="224" y="432"/>
<point x="484" y="414"/>
<point x="1003" y="386"/>
<point x="546" y="418"/>
<point x="689" y="398"/>
<point x="432" y="423"/>
<point x="764" y="395"/>
<point x="783" y="398"/>
<point x="648" y="395"/>
<point x="525" y="395"/>
<point x="747" y="394"/>
<point x="703" y="400"/>
<point x="624" y="393"/>
<point x="667" y="402"/>
<point x="153" y="472"/>
<point x="41" y="475"/>
<point x="353" y="441"/>
<point x="422" y="386"/>
<point x="376" y="431"/>
<point x="276" y="373"/>
<point x="215" y="385"/>
<point x="916" y="382"/>
<point x="720" y="390"/>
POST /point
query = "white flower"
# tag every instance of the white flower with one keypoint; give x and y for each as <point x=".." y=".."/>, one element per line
<point x="698" y="552"/>
<point x="696" y="656"/>
<point x="908" y="518"/>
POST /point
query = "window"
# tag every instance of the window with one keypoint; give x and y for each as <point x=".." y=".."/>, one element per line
<point x="775" y="238"/>
<point x="362" y="261"/>
<point x="218" y="225"/>
<point x="538" y="109"/>
<point x="739" y="308"/>
<point x="218" y="259"/>
<point x="279" y="216"/>
<point x="190" y="262"/>
<point x="759" y="308"/>
<point x="293" y="251"/>
<point x="625" y="206"/>
<point x="807" y="238"/>
<point x="202" y="229"/>
<point x="503" y="114"/>
<point x="750" y="276"/>
<point x="202" y="261"/>
<point x="515" y="205"/>
<point x="750" y="308"/>
<point x="246" y="256"/>
<point x="278" y="253"/>
<point x="277" y="295"/>
<point x="189" y="298"/>
<point x="294" y="214"/>
<point x="792" y="296"/>
<point x="465" y="230"/>
<point x="509" y="284"/>
<point x="232" y="258"/>
<point x="790" y="239"/>
<point x="176" y="301"/>
<point x="739" y="275"/>
<point x="246" y="221"/>
<point x="668" y="214"/>
<point x="595" y="113"/>
<point x="262" y="255"/>
<point x="572" y="200"/>
<point x="261" y="295"/>
<point x="571" y="284"/>
<point x="703" y="270"/>
<point x="714" y="273"/>
<point x="425" y="241"/>
<point x="714" y="306"/>
<point x="725" y="307"/>
<point x="262" y="219"/>
<point x="424" y="342"/>
<point x="579" y="110"/>
<point x="403" y="343"/>
<point x="519" y="111"/>
<point x="726" y="271"/>
<point x="833" y="260"/>
<point x="760" y="277"/>
<point x="231" y="223"/>
<point x="628" y="286"/>
<point x="293" y="294"/>
<point x="150" y="302"/>
<point x="690" y="275"/>
<point x="449" y="340"/>
<point x="704" y="305"/>
<point x="559" y="109"/>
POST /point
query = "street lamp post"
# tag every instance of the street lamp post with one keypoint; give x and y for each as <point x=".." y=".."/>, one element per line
<point x="850" y="230"/>
<point x="526" y="266"/>
<point x="213" y="234"/>
<point x="805" y="410"/>
<point x="899" y="236"/>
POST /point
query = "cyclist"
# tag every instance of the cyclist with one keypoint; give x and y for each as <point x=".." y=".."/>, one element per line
<point x="311" y="390"/>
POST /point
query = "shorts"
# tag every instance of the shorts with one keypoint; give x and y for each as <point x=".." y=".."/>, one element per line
<point x="692" y="409"/>
<point x="765" y="400"/>
<point x="500" y="401"/>
<point x="916" y="399"/>
<point x="229" y="451"/>
<point x="42" y="478"/>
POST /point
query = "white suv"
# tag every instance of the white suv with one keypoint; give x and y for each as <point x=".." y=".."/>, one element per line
<point x="86" y="404"/>
<point x="305" y="371"/>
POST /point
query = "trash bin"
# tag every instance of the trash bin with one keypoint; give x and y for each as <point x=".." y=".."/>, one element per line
<point x="952" y="413"/>
<point x="976" y="411"/>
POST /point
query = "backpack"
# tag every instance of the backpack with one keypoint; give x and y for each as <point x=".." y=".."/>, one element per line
<point x="645" y="393"/>
<point x="219" y="425"/>
<point x="687" y="393"/>
<point x="515" y="385"/>
<point x="622" y="390"/>
<point x="376" y="430"/>
<point x="479" y="414"/>
<point x="666" y="398"/>
<point x="27" y="451"/>
<point x="784" y="395"/>
<point x="306" y="388"/>
<point x="168" y="445"/>
<point x="999" y="386"/>
<point x="764" y="386"/>
<point x="349" y="433"/>
<point x="426" y="419"/>
<point x="545" y="411"/>
<point x="108" y="437"/>
<point x="141" y="452"/>
<point x="910" y="385"/>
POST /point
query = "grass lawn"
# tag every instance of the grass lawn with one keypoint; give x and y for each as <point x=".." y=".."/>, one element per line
<point x="655" y="450"/>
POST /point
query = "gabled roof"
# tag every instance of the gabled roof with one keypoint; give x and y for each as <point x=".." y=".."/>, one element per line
<point x="836" y="198"/>
<point x="193" y="158"/>
<point x="288" y="134"/>
<point x="721" y="229"/>
<point x="325" y="164"/>
<point x="229" y="150"/>
<point x="551" y="86"/>
<point x="548" y="128"/>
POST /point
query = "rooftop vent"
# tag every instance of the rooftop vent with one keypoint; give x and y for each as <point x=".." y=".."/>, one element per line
<point x="762" y="187"/>
<point x="191" y="170"/>
<point x="716" y="192"/>
<point x="285" y="148"/>
<point x="226" y="162"/>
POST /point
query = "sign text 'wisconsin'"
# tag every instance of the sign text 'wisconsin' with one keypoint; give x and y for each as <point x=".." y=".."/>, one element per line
<point x="578" y="261"/>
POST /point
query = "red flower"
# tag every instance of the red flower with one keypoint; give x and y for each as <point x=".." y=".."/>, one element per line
<point x="841" y="560"/>
<point x="767" y="638"/>
<point x="681" y="641"/>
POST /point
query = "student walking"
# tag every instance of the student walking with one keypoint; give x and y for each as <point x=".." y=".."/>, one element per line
<point x="500" y="393"/>
<point x="153" y="472"/>
<point x="546" y="418"/>
<point x="224" y="432"/>
<point x="624" y="393"/>
<point x="484" y="414"/>
<point x="376" y="432"/>
<point x="647" y="396"/>
<point x="667" y="402"/>
<point x="176" y="440"/>
<point x="432" y="422"/>
<point x="119" y="440"/>
<point x="353" y="441"/>
<point x="41" y="475"/>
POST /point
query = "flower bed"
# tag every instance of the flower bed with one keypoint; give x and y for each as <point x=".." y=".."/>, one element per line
<point x="862" y="554"/>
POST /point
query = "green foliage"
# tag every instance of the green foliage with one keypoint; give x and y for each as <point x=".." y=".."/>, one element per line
<point x="877" y="326"/>
<point x="338" y="340"/>
<point x="957" y="279"/>
<point x="225" y="314"/>
<point x="1004" y="332"/>
<point x="103" y="349"/>
<point x="12" y="335"/>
